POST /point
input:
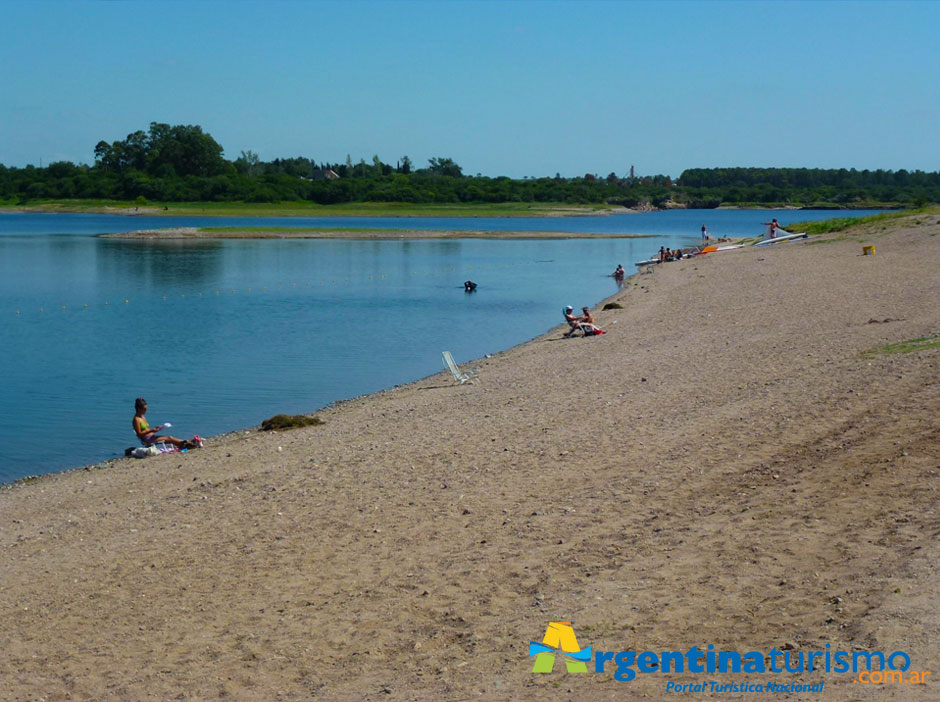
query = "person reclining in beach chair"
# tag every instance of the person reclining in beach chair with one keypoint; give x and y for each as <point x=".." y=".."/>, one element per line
<point x="150" y="436"/>
<point x="584" y="324"/>
<point x="573" y="321"/>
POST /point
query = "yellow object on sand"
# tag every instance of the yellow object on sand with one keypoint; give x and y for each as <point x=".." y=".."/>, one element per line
<point x="868" y="250"/>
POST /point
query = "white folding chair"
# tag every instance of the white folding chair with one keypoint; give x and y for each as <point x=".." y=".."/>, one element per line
<point x="459" y="375"/>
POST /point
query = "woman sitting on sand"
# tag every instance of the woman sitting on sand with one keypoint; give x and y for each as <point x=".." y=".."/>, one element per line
<point x="149" y="436"/>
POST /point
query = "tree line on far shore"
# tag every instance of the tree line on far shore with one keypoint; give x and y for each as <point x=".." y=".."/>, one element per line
<point x="182" y="163"/>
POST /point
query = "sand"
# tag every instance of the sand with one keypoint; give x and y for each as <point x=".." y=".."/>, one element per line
<point x="725" y="466"/>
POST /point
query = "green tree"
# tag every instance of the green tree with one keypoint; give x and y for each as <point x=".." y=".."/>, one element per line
<point x="184" y="150"/>
<point x="440" y="165"/>
<point x="248" y="163"/>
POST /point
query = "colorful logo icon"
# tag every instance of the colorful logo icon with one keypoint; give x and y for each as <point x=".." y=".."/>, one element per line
<point x="559" y="640"/>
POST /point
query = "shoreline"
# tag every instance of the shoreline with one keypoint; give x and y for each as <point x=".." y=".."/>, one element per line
<point x="241" y="432"/>
<point x="176" y="233"/>
<point x="741" y="460"/>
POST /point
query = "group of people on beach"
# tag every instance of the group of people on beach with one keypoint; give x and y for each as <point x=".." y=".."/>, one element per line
<point x="665" y="254"/>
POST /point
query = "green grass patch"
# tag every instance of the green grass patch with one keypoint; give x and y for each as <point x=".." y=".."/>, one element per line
<point x="841" y="224"/>
<point x="289" y="421"/>
<point x="910" y="346"/>
<point x="817" y="242"/>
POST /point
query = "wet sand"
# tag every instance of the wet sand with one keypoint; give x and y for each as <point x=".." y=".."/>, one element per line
<point x="727" y="465"/>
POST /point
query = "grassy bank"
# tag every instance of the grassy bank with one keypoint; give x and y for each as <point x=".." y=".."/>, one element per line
<point x="309" y="209"/>
<point x="842" y="224"/>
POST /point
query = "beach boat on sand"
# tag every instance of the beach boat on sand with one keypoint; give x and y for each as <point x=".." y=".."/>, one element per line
<point x="781" y="235"/>
<point x="716" y="249"/>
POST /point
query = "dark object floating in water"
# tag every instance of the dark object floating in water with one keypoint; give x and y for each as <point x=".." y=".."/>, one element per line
<point x="469" y="286"/>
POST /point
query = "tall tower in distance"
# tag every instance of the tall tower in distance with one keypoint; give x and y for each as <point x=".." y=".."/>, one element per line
<point x="631" y="171"/>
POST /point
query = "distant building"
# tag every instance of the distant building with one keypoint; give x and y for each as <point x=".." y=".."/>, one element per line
<point x="325" y="174"/>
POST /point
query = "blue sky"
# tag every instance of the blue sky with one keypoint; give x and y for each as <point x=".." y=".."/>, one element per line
<point x="503" y="88"/>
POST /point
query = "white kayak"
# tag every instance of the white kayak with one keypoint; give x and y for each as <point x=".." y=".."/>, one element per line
<point x="778" y="239"/>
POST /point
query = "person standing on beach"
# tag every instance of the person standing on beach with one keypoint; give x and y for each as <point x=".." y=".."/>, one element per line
<point x="773" y="227"/>
<point x="705" y="236"/>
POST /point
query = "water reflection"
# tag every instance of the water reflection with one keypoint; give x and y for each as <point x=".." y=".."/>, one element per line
<point x="156" y="263"/>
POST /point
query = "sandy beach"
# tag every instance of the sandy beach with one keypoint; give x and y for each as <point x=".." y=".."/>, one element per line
<point x="734" y="463"/>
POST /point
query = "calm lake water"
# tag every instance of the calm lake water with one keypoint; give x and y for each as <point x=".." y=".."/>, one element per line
<point x="219" y="335"/>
